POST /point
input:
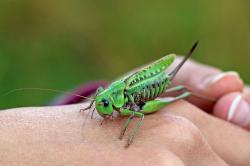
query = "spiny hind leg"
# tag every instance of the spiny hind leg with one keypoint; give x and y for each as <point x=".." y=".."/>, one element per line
<point x="159" y="103"/>
<point x="186" y="89"/>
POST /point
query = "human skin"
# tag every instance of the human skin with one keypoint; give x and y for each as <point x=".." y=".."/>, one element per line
<point x="179" y="134"/>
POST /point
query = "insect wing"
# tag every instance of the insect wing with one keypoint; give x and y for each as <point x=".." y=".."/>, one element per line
<point x="149" y="71"/>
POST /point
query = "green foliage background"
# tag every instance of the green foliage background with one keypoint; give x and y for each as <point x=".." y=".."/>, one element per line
<point x="61" y="44"/>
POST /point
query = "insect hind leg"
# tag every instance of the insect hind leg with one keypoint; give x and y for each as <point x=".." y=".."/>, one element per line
<point x="159" y="103"/>
<point x="186" y="89"/>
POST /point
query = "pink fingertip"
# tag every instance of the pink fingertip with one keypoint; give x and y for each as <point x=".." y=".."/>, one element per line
<point x="223" y="83"/>
<point x="233" y="108"/>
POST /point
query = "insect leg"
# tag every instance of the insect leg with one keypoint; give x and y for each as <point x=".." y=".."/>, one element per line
<point x="141" y="115"/>
<point x="100" y="89"/>
<point x="127" y="112"/>
<point x="175" y="89"/>
<point x="159" y="103"/>
<point x="127" y="123"/>
<point x="186" y="89"/>
<point x="149" y="107"/>
<point x="90" y="105"/>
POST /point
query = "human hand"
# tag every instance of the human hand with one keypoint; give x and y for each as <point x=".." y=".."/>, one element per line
<point x="180" y="134"/>
<point x="232" y="97"/>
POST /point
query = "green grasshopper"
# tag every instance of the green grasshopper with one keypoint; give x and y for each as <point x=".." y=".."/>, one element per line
<point x="137" y="94"/>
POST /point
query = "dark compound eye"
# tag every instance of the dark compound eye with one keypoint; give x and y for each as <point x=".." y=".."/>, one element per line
<point x="105" y="102"/>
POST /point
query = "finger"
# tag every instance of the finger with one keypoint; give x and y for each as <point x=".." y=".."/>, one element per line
<point x="208" y="81"/>
<point x="229" y="141"/>
<point x="246" y="93"/>
<point x="234" y="108"/>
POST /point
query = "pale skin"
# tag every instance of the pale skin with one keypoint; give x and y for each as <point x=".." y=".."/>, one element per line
<point x="179" y="134"/>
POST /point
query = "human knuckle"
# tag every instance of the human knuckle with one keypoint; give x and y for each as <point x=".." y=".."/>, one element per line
<point x="181" y="130"/>
<point x="185" y="109"/>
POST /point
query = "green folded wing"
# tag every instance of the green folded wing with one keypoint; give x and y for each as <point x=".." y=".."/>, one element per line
<point x="150" y="70"/>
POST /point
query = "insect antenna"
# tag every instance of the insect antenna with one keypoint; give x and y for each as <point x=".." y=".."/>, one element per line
<point x="178" y="67"/>
<point x="47" y="89"/>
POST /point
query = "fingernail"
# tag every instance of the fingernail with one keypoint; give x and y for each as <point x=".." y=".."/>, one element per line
<point x="239" y="111"/>
<point x="215" y="78"/>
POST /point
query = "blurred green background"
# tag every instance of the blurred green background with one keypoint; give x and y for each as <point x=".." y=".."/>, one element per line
<point x="61" y="44"/>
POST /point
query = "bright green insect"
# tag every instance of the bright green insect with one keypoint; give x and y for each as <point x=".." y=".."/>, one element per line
<point x="137" y="94"/>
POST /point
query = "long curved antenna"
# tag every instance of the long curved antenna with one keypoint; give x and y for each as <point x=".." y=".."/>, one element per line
<point x="178" y="67"/>
<point x="47" y="89"/>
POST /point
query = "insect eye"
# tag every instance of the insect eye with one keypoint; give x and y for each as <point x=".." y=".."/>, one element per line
<point x="105" y="102"/>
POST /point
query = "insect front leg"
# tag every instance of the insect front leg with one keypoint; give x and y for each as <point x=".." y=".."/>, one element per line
<point x="127" y="112"/>
<point x="100" y="89"/>
<point x="88" y="107"/>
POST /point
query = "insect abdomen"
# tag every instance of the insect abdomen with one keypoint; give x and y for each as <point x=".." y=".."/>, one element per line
<point x="149" y="89"/>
